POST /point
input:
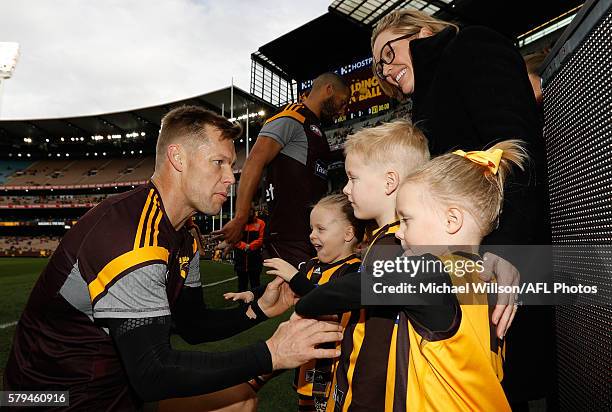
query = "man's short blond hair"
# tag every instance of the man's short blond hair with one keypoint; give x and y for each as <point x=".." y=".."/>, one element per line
<point x="397" y="144"/>
<point x="187" y="124"/>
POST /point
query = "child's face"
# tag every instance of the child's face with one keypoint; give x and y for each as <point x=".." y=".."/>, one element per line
<point x="365" y="187"/>
<point x="421" y="219"/>
<point x="329" y="231"/>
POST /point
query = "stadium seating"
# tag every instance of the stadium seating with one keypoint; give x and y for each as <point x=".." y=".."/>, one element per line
<point x="50" y="200"/>
<point x="28" y="246"/>
<point x="77" y="172"/>
<point x="10" y="167"/>
<point x="337" y="137"/>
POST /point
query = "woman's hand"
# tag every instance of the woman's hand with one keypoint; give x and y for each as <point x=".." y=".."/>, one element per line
<point x="280" y="268"/>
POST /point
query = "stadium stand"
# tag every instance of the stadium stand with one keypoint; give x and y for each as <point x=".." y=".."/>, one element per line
<point x="51" y="201"/>
<point x="28" y="246"/>
<point x="337" y="137"/>
<point x="10" y="167"/>
<point x="77" y="172"/>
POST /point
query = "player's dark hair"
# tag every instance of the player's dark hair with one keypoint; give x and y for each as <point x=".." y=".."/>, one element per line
<point x="334" y="79"/>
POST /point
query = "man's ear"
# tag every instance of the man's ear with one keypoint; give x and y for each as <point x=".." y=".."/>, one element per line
<point x="176" y="156"/>
<point x="329" y="90"/>
<point x="453" y="220"/>
<point x="392" y="181"/>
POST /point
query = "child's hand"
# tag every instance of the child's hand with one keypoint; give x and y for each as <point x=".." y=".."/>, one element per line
<point x="280" y="268"/>
<point x="246" y="297"/>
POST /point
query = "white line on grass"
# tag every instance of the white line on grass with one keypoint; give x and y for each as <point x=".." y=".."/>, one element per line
<point x="219" y="282"/>
<point x="8" y="325"/>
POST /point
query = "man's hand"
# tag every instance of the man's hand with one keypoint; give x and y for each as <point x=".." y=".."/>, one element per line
<point x="280" y="268"/>
<point x="227" y="250"/>
<point x="231" y="232"/>
<point x="507" y="303"/>
<point x="295" y="342"/>
<point x="277" y="298"/>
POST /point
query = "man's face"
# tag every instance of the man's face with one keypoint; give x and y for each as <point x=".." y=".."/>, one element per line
<point x="334" y="106"/>
<point x="365" y="187"/>
<point x="207" y="174"/>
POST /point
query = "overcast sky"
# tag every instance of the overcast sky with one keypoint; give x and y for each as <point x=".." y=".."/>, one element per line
<point x="82" y="57"/>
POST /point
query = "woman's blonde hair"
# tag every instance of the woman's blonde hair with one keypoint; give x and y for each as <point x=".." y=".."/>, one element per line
<point x="452" y="179"/>
<point x="404" y="22"/>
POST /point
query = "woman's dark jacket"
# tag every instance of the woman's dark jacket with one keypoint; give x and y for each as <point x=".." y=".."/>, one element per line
<point x="471" y="90"/>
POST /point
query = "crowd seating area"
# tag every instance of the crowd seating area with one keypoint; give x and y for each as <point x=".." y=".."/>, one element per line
<point x="337" y="137"/>
<point x="28" y="246"/>
<point x="50" y="200"/>
<point x="79" y="172"/>
<point x="8" y="168"/>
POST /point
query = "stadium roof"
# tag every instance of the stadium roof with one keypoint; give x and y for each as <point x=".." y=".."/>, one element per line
<point x="318" y="46"/>
<point x="343" y="34"/>
<point x="148" y="119"/>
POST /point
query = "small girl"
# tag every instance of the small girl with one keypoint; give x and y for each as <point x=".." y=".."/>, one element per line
<point x="455" y="199"/>
<point x="335" y="235"/>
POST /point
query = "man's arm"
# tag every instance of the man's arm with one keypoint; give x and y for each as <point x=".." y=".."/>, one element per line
<point x="156" y="371"/>
<point x="196" y="323"/>
<point x="258" y="243"/>
<point x="264" y="150"/>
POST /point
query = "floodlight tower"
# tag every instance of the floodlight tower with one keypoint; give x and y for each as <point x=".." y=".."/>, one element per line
<point x="9" y="54"/>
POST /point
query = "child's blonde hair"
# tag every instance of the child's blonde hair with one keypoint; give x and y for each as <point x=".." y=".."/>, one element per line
<point x="397" y="143"/>
<point x="454" y="179"/>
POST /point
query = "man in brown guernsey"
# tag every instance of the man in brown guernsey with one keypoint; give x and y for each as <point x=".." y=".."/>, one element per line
<point x="98" y="321"/>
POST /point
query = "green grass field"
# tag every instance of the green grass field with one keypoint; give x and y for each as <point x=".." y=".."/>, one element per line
<point x="18" y="275"/>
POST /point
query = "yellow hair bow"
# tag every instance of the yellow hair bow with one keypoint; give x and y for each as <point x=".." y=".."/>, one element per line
<point x="488" y="158"/>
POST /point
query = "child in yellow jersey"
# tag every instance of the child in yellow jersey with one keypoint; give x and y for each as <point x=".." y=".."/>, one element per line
<point x="335" y="233"/>
<point x="456" y="199"/>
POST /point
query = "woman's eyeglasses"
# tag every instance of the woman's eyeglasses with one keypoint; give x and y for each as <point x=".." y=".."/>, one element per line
<point x="387" y="54"/>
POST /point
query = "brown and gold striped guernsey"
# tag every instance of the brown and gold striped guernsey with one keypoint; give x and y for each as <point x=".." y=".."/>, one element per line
<point x="314" y="377"/>
<point x="359" y="383"/>
<point x="302" y="162"/>
<point x="123" y="259"/>
<point x="458" y="370"/>
<point x="392" y="362"/>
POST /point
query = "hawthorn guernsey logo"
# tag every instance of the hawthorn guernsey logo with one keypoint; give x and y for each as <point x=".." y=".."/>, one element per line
<point x="316" y="130"/>
<point x="317" y="271"/>
<point x="184" y="265"/>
